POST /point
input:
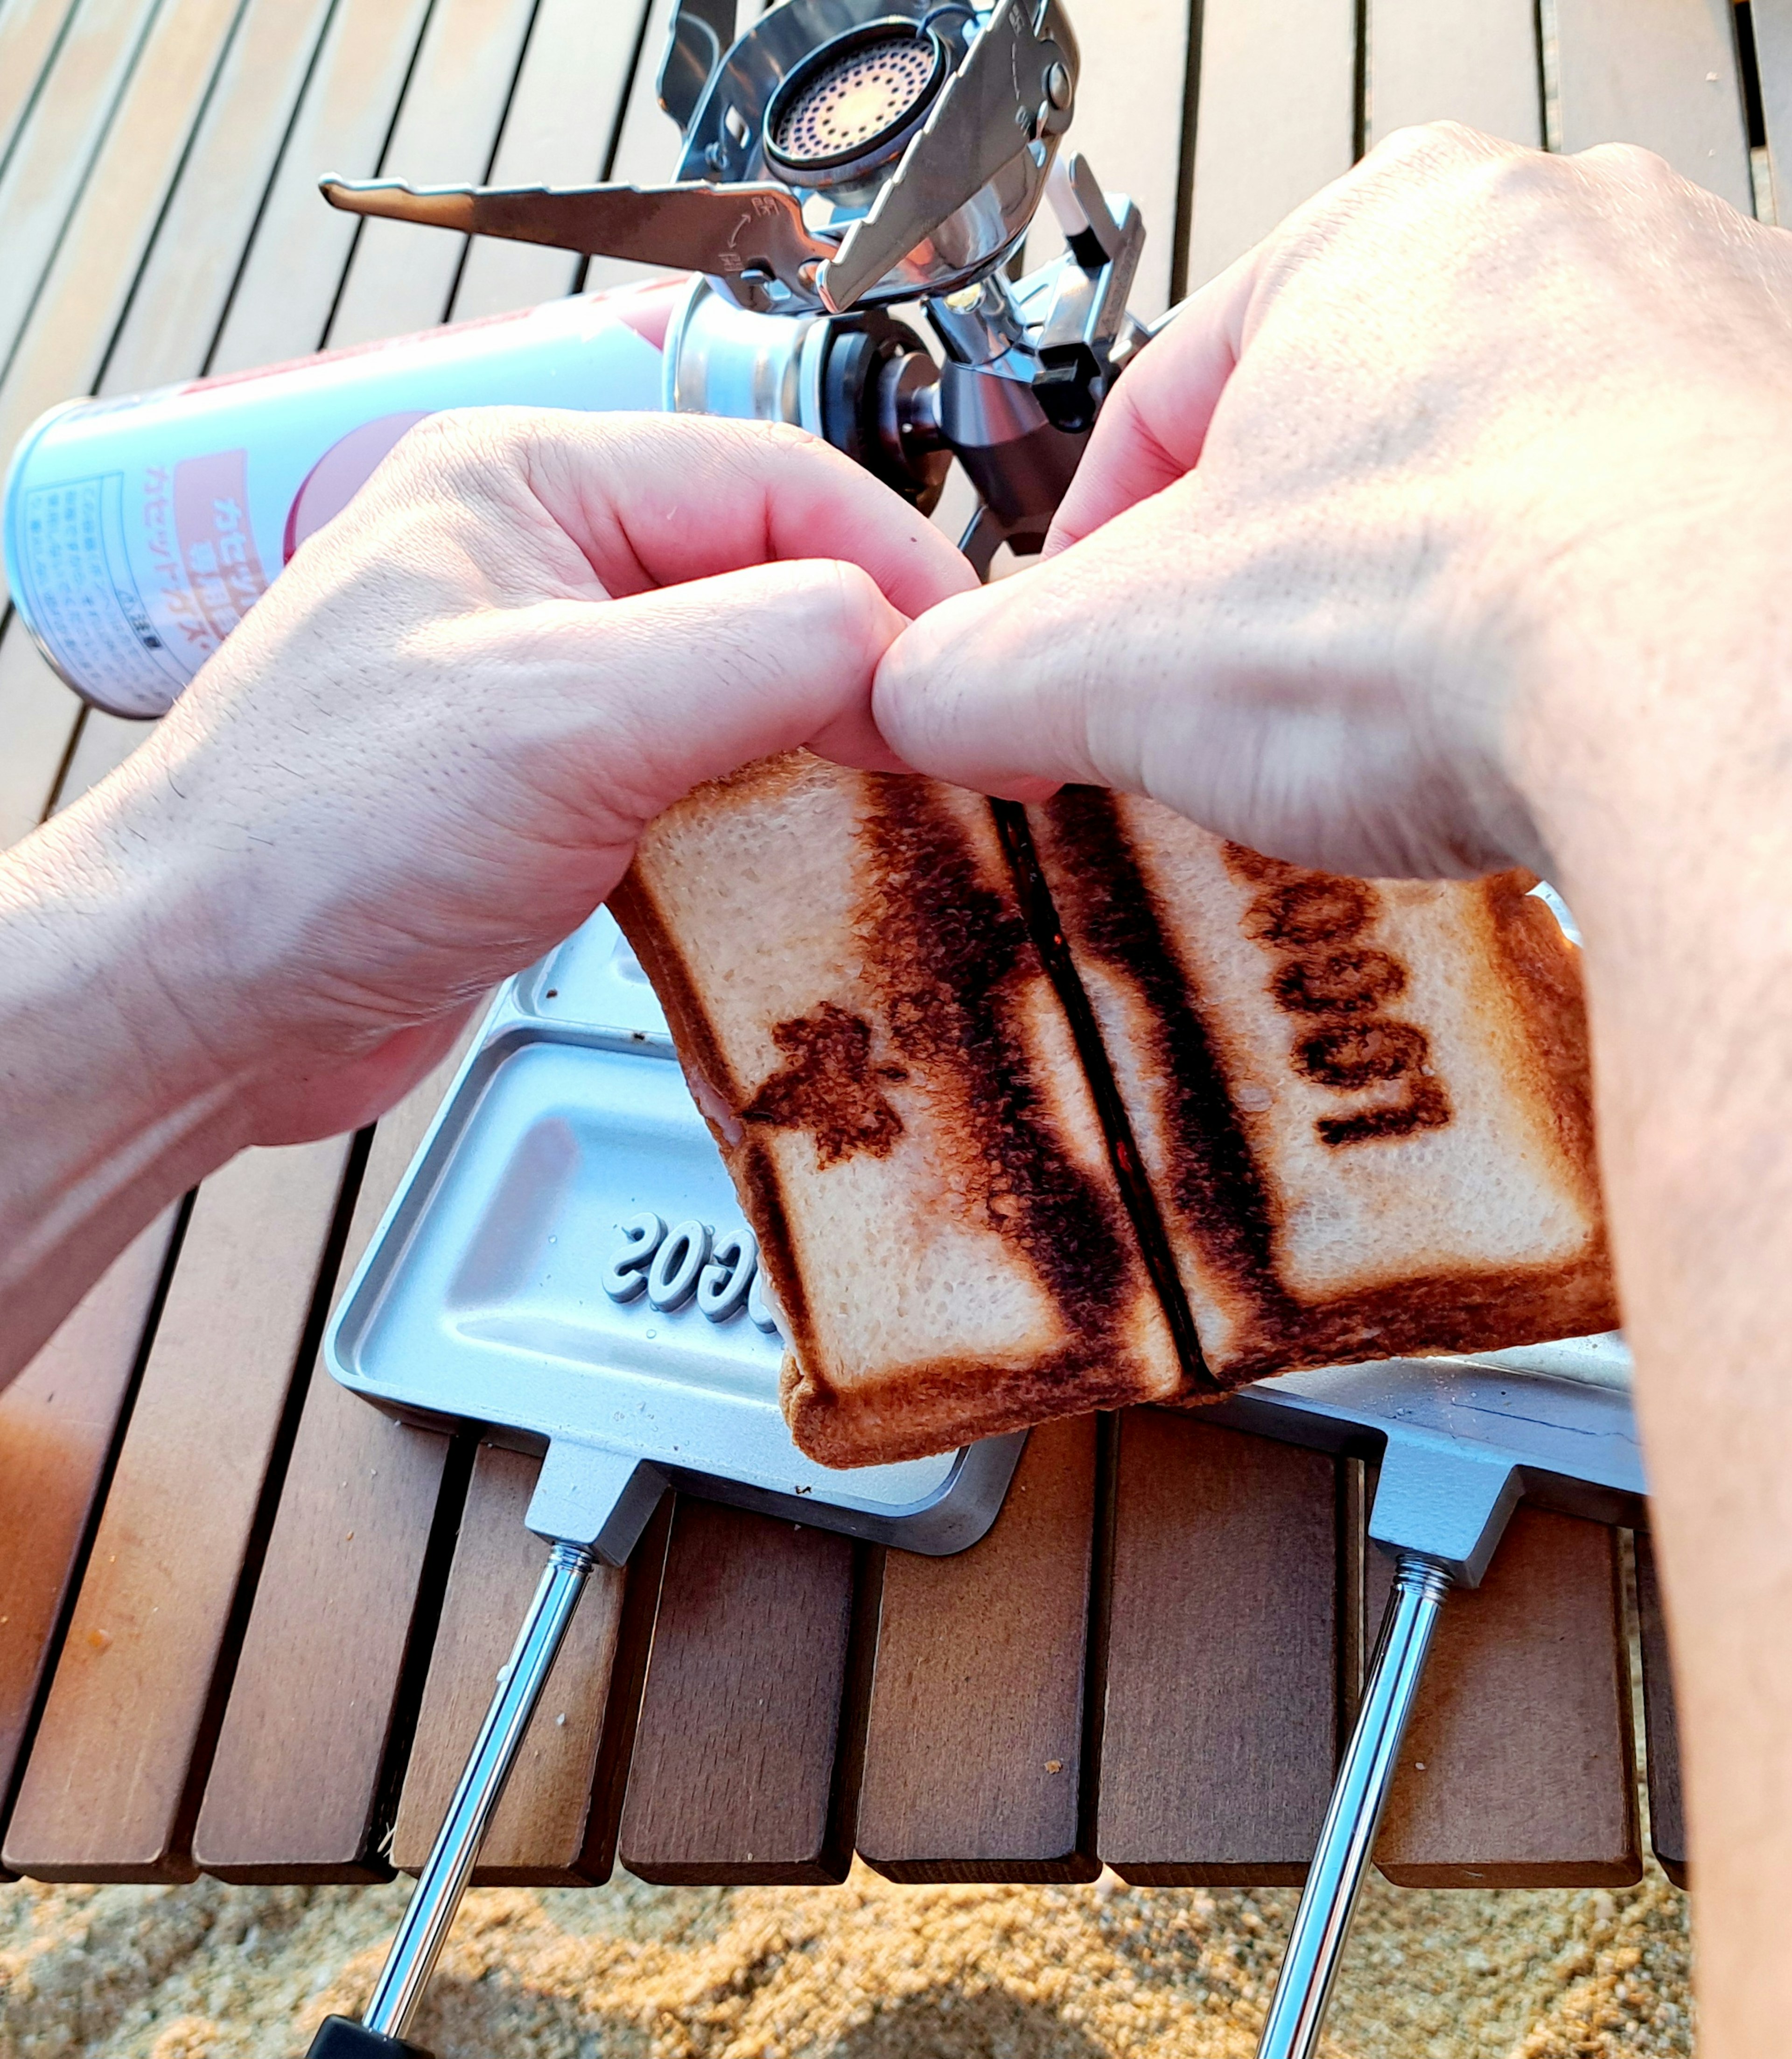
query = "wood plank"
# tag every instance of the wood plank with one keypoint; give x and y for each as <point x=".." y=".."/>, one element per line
<point x="401" y="277"/>
<point x="1276" y="119"/>
<point x="102" y="745"/>
<point x="1668" y="1815"/>
<point x="742" y="1765"/>
<point x="303" y="1783"/>
<point x="556" y="1824"/>
<point x="1772" y="23"/>
<point x="1660" y="72"/>
<point x="187" y="52"/>
<point x="1220" y="1721"/>
<point x="1129" y="123"/>
<point x="1471" y="61"/>
<point x="187" y="280"/>
<point x="38" y="716"/>
<point x="114" y="1779"/>
<point x="77" y="308"/>
<point x="973" y="1760"/>
<point x="58" y="1424"/>
<point x="29" y="31"/>
<point x="1518" y="1771"/>
<point x="647" y="145"/>
<point x="294" y="269"/>
<point x="56" y="145"/>
<point x="562" y="128"/>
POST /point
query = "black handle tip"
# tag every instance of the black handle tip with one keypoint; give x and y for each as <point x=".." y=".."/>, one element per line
<point x="338" y="2037"/>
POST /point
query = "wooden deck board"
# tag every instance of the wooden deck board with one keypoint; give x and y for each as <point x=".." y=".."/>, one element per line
<point x="58" y="143"/>
<point x="739" y="1757"/>
<point x="575" y="71"/>
<point x="300" y="1786"/>
<point x="1474" y="61"/>
<point x="401" y="277"/>
<point x="1491" y="1792"/>
<point x="29" y="32"/>
<point x="1660" y="72"/>
<point x="59" y="1423"/>
<point x="113" y="1785"/>
<point x="1667" y="1817"/>
<point x="974" y="1765"/>
<point x="1276" y="119"/>
<point x="556" y="1825"/>
<point x="1220" y="1718"/>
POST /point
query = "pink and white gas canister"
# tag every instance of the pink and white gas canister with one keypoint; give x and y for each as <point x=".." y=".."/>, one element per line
<point x="139" y="531"/>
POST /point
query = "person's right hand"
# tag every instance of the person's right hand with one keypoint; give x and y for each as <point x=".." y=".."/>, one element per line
<point x="1475" y="428"/>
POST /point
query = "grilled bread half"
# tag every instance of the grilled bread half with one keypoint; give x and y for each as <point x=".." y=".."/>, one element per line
<point x="1362" y="1106"/>
<point x="890" y="1073"/>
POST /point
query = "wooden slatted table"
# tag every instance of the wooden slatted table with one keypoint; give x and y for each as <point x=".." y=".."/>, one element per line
<point x="246" y="1625"/>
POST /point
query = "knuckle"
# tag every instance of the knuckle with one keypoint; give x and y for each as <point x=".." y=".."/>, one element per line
<point x="1629" y="163"/>
<point x="1432" y="147"/>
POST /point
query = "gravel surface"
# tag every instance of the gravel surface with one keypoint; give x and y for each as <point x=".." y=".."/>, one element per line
<point x="865" y="1971"/>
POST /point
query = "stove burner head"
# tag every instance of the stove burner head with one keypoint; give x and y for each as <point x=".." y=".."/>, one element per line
<point x="852" y="106"/>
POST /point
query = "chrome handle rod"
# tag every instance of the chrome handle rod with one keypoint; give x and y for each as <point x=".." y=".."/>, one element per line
<point x="443" y="1882"/>
<point x="1316" y="1944"/>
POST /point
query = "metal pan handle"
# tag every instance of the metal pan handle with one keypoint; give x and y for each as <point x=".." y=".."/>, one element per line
<point x="591" y="1504"/>
<point x="1329" y="1901"/>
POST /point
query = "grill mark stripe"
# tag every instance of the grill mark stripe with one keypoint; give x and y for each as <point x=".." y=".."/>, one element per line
<point x="1136" y="1191"/>
<point x="948" y="954"/>
<point x="1215" y="1181"/>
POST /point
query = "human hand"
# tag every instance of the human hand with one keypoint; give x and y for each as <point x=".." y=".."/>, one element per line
<point x="1476" y="432"/>
<point x="427" y="754"/>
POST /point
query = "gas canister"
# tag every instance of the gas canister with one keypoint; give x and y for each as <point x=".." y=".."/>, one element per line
<point x="139" y="531"/>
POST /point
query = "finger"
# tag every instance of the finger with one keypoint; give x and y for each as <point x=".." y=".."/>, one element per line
<point x="1023" y="685"/>
<point x="656" y="693"/>
<point x="655" y="500"/>
<point x="1152" y="427"/>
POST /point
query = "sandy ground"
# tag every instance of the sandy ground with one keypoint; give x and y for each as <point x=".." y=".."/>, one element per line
<point x="865" y="1971"/>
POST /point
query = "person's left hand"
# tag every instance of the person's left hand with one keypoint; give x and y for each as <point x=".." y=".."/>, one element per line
<point x="427" y="754"/>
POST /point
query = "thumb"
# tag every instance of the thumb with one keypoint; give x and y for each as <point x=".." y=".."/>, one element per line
<point x="1152" y="428"/>
<point x="1004" y="690"/>
<point x="693" y="682"/>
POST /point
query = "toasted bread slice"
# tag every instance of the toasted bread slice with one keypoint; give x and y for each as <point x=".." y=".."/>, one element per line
<point x="890" y="1074"/>
<point x="1363" y="1106"/>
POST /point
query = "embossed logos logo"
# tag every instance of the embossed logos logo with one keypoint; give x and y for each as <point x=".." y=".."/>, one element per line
<point x="1335" y="985"/>
<point x="689" y="1261"/>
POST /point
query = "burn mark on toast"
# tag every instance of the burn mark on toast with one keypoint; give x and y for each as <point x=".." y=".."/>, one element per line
<point x="829" y="1087"/>
<point x="949" y="953"/>
<point x="1108" y="905"/>
<point x="1312" y="920"/>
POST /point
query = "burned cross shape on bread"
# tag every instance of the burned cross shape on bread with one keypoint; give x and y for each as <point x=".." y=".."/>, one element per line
<point x="829" y="1087"/>
<point x="1035" y="1111"/>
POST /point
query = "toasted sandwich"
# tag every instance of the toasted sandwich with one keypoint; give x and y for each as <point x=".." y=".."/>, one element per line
<point x="1035" y="1112"/>
<point x="890" y="1072"/>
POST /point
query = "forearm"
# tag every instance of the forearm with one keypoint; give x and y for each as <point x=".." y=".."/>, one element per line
<point x="110" y="1104"/>
<point x="1662" y="782"/>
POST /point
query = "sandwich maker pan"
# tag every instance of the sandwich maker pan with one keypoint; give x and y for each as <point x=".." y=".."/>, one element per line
<point x="566" y="1266"/>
